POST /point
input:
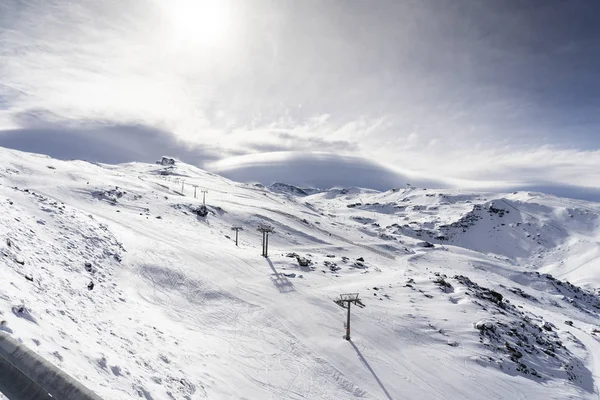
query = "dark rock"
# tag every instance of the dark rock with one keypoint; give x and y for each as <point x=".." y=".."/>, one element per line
<point x="521" y="293"/>
<point x="495" y="296"/>
<point x="444" y="285"/>
<point x="547" y="326"/>
<point x="303" y="262"/>
<point x="202" y="211"/>
<point x="514" y="353"/>
<point x="485" y="326"/>
<point x="331" y="265"/>
<point x="482" y="292"/>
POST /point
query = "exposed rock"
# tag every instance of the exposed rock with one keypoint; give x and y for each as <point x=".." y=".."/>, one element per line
<point x="521" y="293"/>
<point x="481" y="292"/>
<point x="444" y="285"/>
<point x="303" y="262"/>
<point x="201" y="211"/>
<point x="88" y="266"/>
<point x="331" y="265"/>
<point x="548" y="326"/>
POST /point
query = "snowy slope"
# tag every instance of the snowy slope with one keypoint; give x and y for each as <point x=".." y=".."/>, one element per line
<point x="178" y="311"/>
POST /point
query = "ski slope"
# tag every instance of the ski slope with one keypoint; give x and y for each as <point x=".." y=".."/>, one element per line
<point x="503" y="306"/>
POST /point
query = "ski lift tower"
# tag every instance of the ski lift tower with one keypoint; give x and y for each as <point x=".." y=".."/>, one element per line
<point x="344" y="301"/>
<point x="265" y="229"/>
<point x="236" y="229"/>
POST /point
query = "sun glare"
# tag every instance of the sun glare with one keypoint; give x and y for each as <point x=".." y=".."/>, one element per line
<point x="201" y="22"/>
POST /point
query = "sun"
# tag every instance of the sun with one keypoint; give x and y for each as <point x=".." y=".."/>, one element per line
<point x="200" y="22"/>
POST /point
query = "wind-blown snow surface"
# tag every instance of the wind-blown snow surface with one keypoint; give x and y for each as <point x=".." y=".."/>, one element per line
<point x="178" y="311"/>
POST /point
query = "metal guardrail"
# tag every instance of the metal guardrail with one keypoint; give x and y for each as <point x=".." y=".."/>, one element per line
<point x="25" y="375"/>
<point x="15" y="385"/>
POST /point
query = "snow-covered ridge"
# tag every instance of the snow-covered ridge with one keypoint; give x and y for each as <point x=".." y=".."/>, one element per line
<point x="285" y="188"/>
<point x="112" y="273"/>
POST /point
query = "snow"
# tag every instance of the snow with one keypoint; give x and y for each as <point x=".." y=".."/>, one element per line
<point x="178" y="311"/>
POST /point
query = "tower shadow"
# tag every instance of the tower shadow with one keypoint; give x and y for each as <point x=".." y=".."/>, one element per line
<point x="364" y="361"/>
<point x="281" y="282"/>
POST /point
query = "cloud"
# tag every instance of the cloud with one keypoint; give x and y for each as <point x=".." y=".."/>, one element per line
<point x="430" y="69"/>
<point x="314" y="169"/>
<point x="108" y="144"/>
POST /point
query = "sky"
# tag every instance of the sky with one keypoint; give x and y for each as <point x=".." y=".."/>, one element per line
<point x="481" y="94"/>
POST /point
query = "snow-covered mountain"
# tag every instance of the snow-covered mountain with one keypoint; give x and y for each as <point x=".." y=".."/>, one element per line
<point x="111" y="273"/>
<point x="291" y="190"/>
